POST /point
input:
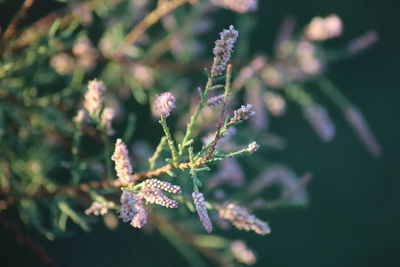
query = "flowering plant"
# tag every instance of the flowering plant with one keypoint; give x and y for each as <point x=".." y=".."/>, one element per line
<point x="57" y="161"/>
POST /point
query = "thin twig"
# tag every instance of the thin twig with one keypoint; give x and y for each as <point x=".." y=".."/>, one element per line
<point x="152" y="18"/>
<point x="27" y="240"/>
<point x="12" y="27"/>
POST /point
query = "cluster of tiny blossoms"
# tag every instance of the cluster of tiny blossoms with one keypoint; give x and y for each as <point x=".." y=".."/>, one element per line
<point x="242" y="114"/>
<point x="123" y="166"/>
<point x="242" y="219"/>
<point x="132" y="204"/>
<point x="152" y="192"/>
<point x="135" y="197"/>
<point x="164" y="103"/>
<point x="99" y="208"/>
<point x="201" y="209"/>
<point x="324" y="28"/>
<point x="242" y="253"/>
<point x="223" y="50"/>
<point x="216" y="100"/>
<point x="94" y="97"/>
<point x="241" y="6"/>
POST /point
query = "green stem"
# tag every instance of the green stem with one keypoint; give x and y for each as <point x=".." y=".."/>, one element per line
<point x="193" y="119"/>
<point x="332" y="92"/>
<point x="156" y="155"/>
<point x="76" y="144"/>
<point x="170" y="141"/>
<point x="107" y="152"/>
<point x="186" y="251"/>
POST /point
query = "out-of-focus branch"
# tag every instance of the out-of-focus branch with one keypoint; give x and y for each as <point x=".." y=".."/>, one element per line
<point x="188" y="237"/>
<point x="27" y="240"/>
<point x="105" y="183"/>
<point x="152" y="18"/>
<point x="12" y="27"/>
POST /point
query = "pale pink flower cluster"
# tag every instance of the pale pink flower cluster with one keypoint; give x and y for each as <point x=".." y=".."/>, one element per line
<point x="273" y="76"/>
<point x="201" y="209"/>
<point x="123" y="167"/>
<point x="164" y="103"/>
<point x="276" y="104"/>
<point x="94" y="97"/>
<point x="242" y="219"/>
<point x="152" y="192"/>
<point x="240" y="6"/>
<point x="242" y="114"/>
<point x="242" y="253"/>
<point x="132" y="209"/>
<point x="128" y="202"/>
<point x="140" y="219"/>
<point x="156" y="196"/>
<point x="163" y="185"/>
<point x="216" y="100"/>
<point x="63" y="63"/>
<point x="324" y="28"/>
<point x="252" y="147"/>
<point x="99" y="208"/>
<point x="223" y="50"/>
<point x="320" y="121"/>
<point x="86" y="55"/>
<point x="307" y="58"/>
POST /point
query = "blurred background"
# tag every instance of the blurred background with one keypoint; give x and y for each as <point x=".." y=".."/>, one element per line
<point x="353" y="218"/>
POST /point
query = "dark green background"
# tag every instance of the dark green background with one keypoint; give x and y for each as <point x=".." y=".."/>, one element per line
<point x="354" y="216"/>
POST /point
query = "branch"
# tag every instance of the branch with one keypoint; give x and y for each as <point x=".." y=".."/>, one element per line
<point x="152" y="18"/>
<point x="26" y="240"/>
<point x="11" y="29"/>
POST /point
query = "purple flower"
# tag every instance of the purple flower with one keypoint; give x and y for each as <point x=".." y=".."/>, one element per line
<point x="164" y="103"/>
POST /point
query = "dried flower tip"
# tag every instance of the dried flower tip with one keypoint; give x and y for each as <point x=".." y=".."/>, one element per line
<point x="123" y="167"/>
<point x="99" y="208"/>
<point x="308" y="60"/>
<point x="128" y="202"/>
<point x="240" y="6"/>
<point x="216" y="100"/>
<point x="94" y="97"/>
<point x="156" y="196"/>
<point x="107" y="116"/>
<point x="320" y="121"/>
<point x="360" y="126"/>
<point x="242" y="114"/>
<point x="201" y="209"/>
<point x="223" y="50"/>
<point x="164" y="104"/>
<point x="80" y="117"/>
<point x="363" y="42"/>
<point x="242" y="219"/>
<point x="324" y="28"/>
<point x="163" y="185"/>
<point x="62" y="63"/>
<point x="276" y="104"/>
<point x="242" y="253"/>
<point x="252" y="147"/>
<point x="140" y="218"/>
